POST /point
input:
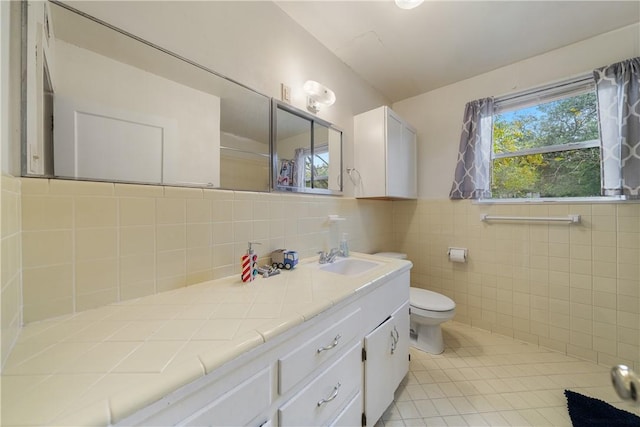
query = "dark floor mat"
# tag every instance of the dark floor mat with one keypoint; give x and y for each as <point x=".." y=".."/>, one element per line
<point x="588" y="412"/>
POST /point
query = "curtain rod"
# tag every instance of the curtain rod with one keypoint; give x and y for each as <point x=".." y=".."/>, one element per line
<point x="578" y="80"/>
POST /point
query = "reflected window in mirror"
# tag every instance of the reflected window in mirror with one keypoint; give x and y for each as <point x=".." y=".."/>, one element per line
<point x="307" y="152"/>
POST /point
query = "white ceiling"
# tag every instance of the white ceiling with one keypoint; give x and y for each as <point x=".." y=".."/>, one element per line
<point x="404" y="53"/>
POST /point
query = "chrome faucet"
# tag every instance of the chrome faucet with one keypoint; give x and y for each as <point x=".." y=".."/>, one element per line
<point x="326" y="258"/>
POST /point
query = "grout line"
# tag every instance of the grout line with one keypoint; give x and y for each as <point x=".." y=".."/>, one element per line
<point x="74" y="290"/>
<point x="523" y="397"/>
<point x="118" y="257"/>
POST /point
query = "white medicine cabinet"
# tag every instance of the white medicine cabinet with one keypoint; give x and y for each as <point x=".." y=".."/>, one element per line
<point x="385" y="152"/>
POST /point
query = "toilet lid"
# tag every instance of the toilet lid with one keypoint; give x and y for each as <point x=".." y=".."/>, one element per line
<point x="428" y="300"/>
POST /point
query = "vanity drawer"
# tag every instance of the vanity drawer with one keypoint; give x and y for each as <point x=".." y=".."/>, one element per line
<point x="324" y="345"/>
<point x="238" y="406"/>
<point x="323" y="398"/>
<point x="351" y="415"/>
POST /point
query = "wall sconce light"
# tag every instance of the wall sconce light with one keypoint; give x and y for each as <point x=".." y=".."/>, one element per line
<point x="318" y="96"/>
<point x="408" y="4"/>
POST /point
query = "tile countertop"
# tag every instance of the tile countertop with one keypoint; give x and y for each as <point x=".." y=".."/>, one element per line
<point x="100" y="366"/>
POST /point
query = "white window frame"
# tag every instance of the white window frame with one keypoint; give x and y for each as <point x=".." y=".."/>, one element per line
<point x="309" y="157"/>
<point x="517" y="101"/>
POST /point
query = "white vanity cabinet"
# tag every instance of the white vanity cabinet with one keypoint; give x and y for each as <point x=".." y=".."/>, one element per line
<point x="322" y="399"/>
<point x="238" y="406"/>
<point x="313" y="374"/>
<point x="323" y="346"/>
<point x="385" y="155"/>
<point x="387" y="362"/>
<point x="351" y="415"/>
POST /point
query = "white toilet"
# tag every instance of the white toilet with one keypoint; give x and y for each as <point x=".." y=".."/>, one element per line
<point x="428" y="310"/>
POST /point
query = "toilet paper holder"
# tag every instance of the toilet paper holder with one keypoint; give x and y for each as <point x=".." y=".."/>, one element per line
<point x="457" y="254"/>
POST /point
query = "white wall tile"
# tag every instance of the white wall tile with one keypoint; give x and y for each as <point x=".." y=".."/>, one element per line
<point x="567" y="283"/>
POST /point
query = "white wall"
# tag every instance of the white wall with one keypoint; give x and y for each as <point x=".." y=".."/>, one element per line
<point x="575" y="288"/>
<point x="190" y="156"/>
<point x="10" y="87"/>
<point x="254" y="43"/>
<point x="4" y="82"/>
<point x="437" y="115"/>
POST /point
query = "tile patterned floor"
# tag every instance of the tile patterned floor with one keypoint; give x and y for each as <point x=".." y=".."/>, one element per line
<point x="483" y="379"/>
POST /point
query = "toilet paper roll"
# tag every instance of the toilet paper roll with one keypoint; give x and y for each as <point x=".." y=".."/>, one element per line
<point x="457" y="255"/>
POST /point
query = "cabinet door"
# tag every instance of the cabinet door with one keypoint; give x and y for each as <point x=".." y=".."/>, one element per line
<point x="410" y="152"/>
<point x="387" y="362"/>
<point x="396" y="160"/>
<point x="370" y="152"/>
<point x="401" y="158"/>
<point x="378" y="387"/>
<point x="400" y="356"/>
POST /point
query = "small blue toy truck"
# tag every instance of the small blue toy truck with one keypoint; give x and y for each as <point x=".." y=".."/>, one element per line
<point x="282" y="258"/>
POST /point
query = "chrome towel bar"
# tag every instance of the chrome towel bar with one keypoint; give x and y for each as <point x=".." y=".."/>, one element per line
<point x="571" y="218"/>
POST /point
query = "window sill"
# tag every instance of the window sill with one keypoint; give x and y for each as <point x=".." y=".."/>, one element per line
<point x="568" y="200"/>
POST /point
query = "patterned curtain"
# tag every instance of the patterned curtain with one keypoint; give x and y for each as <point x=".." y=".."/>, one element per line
<point x="472" y="179"/>
<point x="618" y="90"/>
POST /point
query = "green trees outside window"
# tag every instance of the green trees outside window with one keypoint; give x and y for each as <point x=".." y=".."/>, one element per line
<point x="319" y="162"/>
<point x="550" y="149"/>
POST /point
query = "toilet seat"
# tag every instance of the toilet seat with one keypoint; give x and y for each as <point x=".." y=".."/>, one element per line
<point x="433" y="315"/>
<point x="424" y="300"/>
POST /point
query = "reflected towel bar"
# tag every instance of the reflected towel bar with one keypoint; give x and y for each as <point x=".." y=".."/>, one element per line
<point x="571" y="218"/>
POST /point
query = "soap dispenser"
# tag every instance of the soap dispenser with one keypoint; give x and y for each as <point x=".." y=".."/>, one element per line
<point x="344" y="245"/>
<point x="249" y="263"/>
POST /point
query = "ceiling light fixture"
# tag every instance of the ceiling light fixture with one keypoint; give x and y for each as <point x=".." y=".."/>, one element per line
<point x="318" y="95"/>
<point x="408" y="4"/>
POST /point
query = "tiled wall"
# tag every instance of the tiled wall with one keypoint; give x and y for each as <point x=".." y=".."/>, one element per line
<point x="87" y="244"/>
<point x="10" y="253"/>
<point x="243" y="173"/>
<point x="572" y="288"/>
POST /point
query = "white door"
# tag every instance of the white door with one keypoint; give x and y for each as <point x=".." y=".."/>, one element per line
<point x="396" y="157"/>
<point x="387" y="363"/>
<point x="378" y="375"/>
<point x="400" y="355"/>
<point x="409" y="151"/>
<point x="98" y="142"/>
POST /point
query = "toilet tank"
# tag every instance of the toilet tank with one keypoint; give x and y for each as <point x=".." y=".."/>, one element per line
<point x="397" y="255"/>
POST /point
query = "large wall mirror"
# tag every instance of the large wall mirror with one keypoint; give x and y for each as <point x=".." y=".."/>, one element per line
<point x="127" y="111"/>
<point x="307" y="152"/>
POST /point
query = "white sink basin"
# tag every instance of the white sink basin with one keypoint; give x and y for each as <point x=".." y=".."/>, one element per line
<point x="349" y="266"/>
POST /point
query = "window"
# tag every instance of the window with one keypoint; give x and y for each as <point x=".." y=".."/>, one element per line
<point x="556" y="141"/>
<point x="316" y="168"/>
<point x="546" y="143"/>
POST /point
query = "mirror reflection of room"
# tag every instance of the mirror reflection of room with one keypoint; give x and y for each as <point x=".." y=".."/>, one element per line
<point x="125" y="111"/>
<point x="307" y="153"/>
